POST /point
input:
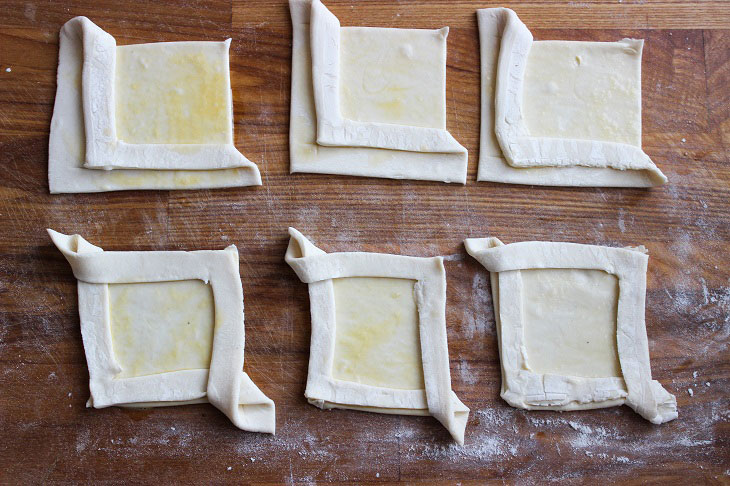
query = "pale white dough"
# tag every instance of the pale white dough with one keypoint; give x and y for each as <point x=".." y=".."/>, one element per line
<point x="570" y="321"/>
<point x="372" y="312"/>
<point x="584" y="90"/>
<point x="165" y="328"/>
<point x="369" y="101"/>
<point x="393" y="76"/>
<point x="173" y="93"/>
<point x="559" y="112"/>
<point x="161" y="326"/>
<point x="376" y="333"/>
<point x="162" y="150"/>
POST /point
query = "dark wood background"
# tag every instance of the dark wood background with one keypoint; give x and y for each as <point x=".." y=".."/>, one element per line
<point x="46" y="433"/>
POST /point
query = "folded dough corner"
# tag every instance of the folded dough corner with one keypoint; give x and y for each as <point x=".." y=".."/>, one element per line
<point x="369" y="101"/>
<point x="571" y="326"/>
<point x="163" y="328"/>
<point x="560" y="113"/>
<point x="142" y="116"/>
<point x="378" y="333"/>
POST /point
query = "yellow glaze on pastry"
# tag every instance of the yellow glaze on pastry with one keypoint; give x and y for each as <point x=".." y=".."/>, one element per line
<point x="377" y="337"/>
<point x="161" y="326"/>
<point x="584" y="90"/>
<point x="173" y="93"/>
<point x="393" y="76"/>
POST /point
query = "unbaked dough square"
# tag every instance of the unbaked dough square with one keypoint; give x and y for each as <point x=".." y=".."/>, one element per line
<point x="173" y="93"/>
<point x="378" y="333"/>
<point x="560" y="113"/>
<point x="570" y="322"/>
<point x="158" y="327"/>
<point x="145" y="116"/>
<point x="395" y="76"/>
<point x="377" y="337"/>
<point x="584" y="90"/>
<point x="369" y="101"/>
<point x="164" y="328"/>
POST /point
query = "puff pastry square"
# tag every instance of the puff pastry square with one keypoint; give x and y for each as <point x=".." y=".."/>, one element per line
<point x="570" y="320"/>
<point x="165" y="328"/>
<point x="560" y="113"/>
<point x="378" y="333"/>
<point x="144" y="116"/>
<point x="369" y="101"/>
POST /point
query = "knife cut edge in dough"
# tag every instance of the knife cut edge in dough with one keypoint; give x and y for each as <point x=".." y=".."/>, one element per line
<point x="523" y="388"/>
<point x="223" y="383"/>
<point x="84" y="107"/>
<point x="318" y="269"/>
<point x="334" y="150"/>
<point x="507" y="151"/>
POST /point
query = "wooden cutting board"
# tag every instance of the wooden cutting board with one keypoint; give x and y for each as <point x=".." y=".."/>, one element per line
<point x="47" y="434"/>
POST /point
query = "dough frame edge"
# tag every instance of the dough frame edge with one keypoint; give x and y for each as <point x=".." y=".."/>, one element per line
<point x="306" y="156"/>
<point x="67" y="140"/>
<point x="592" y="163"/>
<point x="645" y="395"/>
<point x="224" y="384"/>
<point x="317" y="268"/>
<point x="325" y="405"/>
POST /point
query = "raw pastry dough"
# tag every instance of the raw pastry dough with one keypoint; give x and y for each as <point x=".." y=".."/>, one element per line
<point x="579" y="306"/>
<point x="364" y="355"/>
<point x="159" y="114"/>
<point x="376" y="339"/>
<point x="558" y="299"/>
<point x="369" y="101"/>
<point x="165" y="328"/>
<point x="161" y="326"/>
<point x="557" y="112"/>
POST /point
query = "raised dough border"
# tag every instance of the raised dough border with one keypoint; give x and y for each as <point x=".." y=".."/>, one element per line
<point x="525" y="389"/>
<point x="362" y="160"/>
<point x="74" y="132"/>
<point x="224" y="384"/>
<point x="505" y="43"/>
<point x="317" y="268"/>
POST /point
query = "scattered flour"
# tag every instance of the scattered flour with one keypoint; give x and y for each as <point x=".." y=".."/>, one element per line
<point x="621" y="222"/>
<point x="456" y="257"/>
<point x="466" y="374"/>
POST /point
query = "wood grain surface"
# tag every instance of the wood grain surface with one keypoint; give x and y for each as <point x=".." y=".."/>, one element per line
<point x="46" y="433"/>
